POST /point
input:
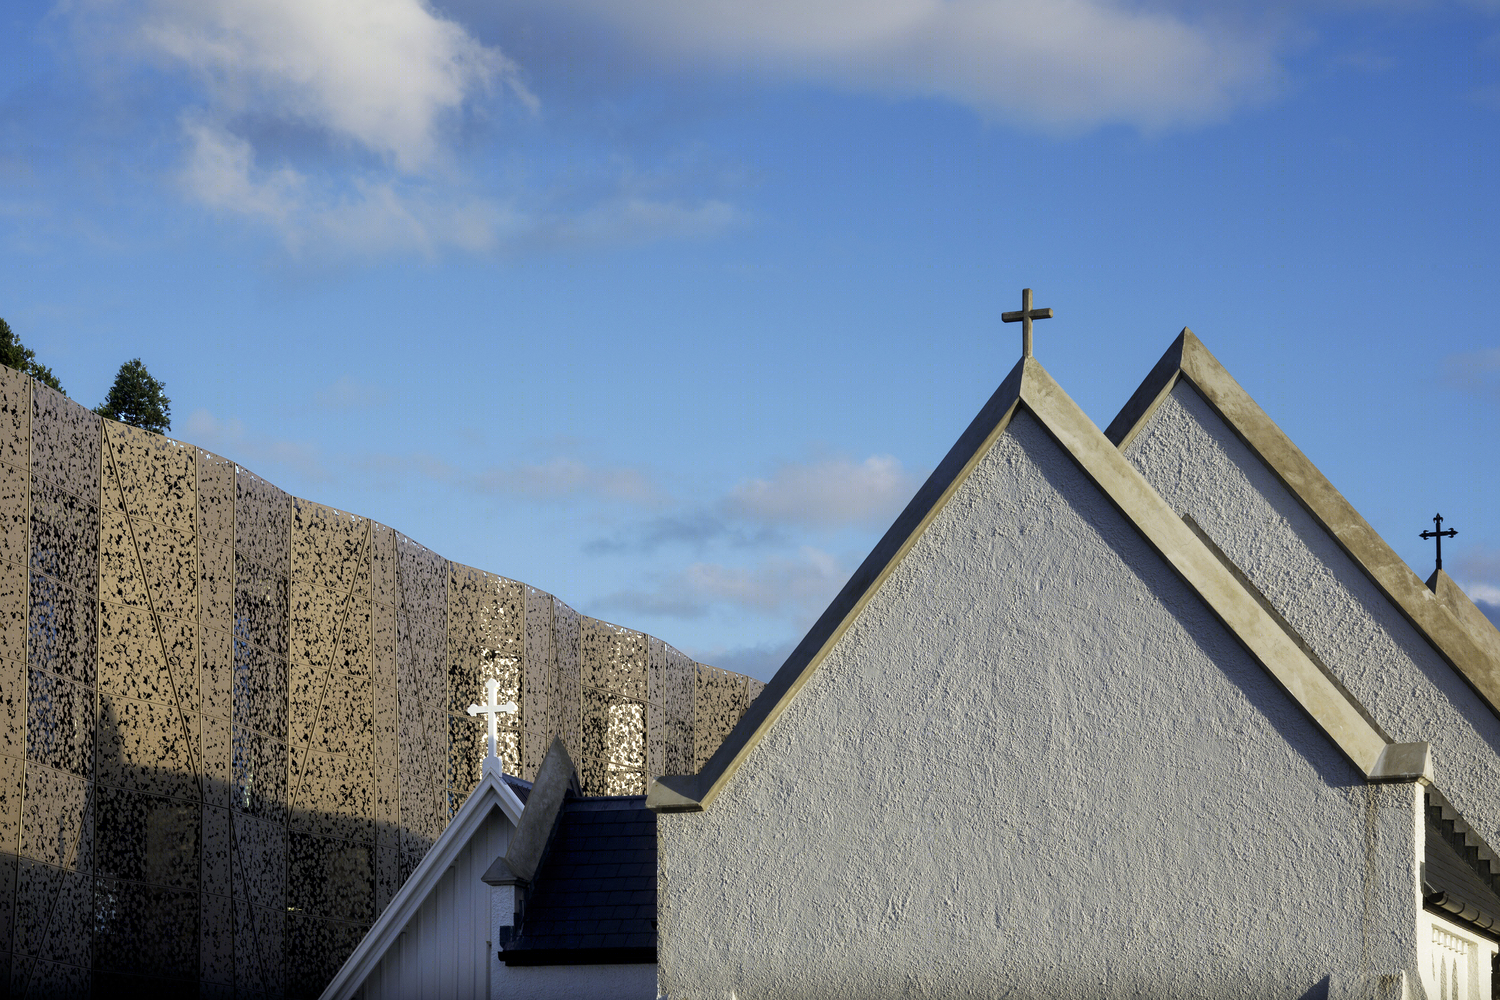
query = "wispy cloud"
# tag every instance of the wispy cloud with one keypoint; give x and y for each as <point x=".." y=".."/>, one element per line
<point x="826" y="493"/>
<point x="347" y="393"/>
<point x="384" y="84"/>
<point x="372" y="213"/>
<point x="558" y="479"/>
<point x="1478" y="572"/>
<point x="758" y="661"/>
<point x="369" y="214"/>
<point x="695" y="529"/>
<point x="795" y="587"/>
<point x="1474" y="371"/>
<point x="386" y="75"/>
<point x="232" y="439"/>
<point x="1068" y="63"/>
<point x="347" y="130"/>
<point x="562" y="477"/>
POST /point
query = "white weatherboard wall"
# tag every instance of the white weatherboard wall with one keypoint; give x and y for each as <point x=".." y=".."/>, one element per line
<point x="1036" y="765"/>
<point x="446" y="950"/>
<point x="1198" y="464"/>
<point x="1455" y="962"/>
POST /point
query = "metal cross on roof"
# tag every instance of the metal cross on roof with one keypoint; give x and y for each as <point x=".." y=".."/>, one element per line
<point x="1024" y="316"/>
<point x="1439" y="534"/>
<point x="493" y="709"/>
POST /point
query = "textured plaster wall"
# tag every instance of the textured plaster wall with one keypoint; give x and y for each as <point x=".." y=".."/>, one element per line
<point x="1036" y="766"/>
<point x="1198" y="464"/>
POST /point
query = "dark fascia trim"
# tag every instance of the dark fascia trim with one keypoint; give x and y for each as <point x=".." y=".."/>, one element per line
<point x="1445" y="630"/>
<point x="579" y="956"/>
<point x="1460" y="910"/>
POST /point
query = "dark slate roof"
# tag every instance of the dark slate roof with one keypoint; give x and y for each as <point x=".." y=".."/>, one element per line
<point x="1456" y="881"/>
<point x="594" y="896"/>
<point x="520" y="787"/>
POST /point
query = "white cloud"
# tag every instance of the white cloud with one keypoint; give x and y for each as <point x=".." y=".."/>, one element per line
<point x="386" y="81"/>
<point x="778" y="584"/>
<point x="348" y="393"/>
<point x="376" y="214"/>
<point x="218" y="173"/>
<point x="257" y="452"/>
<point x="556" y="479"/>
<point x="1478" y="571"/>
<point x="630" y="218"/>
<point x="563" y="476"/>
<point x="827" y="493"/>
<point x="1064" y="63"/>
<point x="758" y="661"/>
<point x="796" y="587"/>
<point x="381" y="73"/>
<point x="1474" y="371"/>
<point x="366" y="216"/>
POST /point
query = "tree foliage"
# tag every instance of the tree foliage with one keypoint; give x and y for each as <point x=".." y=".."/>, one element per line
<point x="137" y="398"/>
<point x="14" y="354"/>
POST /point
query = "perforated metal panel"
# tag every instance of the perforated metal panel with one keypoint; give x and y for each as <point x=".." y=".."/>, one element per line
<point x="232" y="722"/>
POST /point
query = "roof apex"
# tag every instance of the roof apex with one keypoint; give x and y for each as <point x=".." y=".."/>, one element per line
<point x="1230" y="597"/>
<point x="491" y="793"/>
<point x="1441" y="614"/>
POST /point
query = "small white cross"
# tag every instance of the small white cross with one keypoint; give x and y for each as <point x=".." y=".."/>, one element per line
<point x="493" y="710"/>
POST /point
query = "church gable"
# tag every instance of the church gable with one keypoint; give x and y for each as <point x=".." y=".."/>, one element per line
<point x="1051" y="684"/>
<point x="1029" y="389"/>
<point x="1215" y="456"/>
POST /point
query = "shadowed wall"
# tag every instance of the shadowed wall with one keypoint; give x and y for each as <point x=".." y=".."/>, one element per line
<point x="232" y="721"/>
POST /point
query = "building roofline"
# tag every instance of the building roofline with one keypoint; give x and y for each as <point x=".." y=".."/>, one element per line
<point x="1028" y="385"/>
<point x="492" y="792"/>
<point x="1458" y="638"/>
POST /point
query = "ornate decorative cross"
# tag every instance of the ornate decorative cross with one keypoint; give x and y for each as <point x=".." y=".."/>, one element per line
<point x="1024" y="317"/>
<point x="493" y="710"/>
<point x="1439" y="534"/>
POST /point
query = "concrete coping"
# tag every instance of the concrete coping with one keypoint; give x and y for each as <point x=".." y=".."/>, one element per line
<point x="1441" y="614"/>
<point x="556" y="779"/>
<point x="1262" y="633"/>
<point x="500" y="873"/>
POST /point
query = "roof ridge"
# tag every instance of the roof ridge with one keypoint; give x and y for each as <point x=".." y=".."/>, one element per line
<point x="1434" y="611"/>
<point x="1029" y="385"/>
<point x="491" y="792"/>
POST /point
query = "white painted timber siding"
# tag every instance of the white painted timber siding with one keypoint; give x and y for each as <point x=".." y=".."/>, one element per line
<point x="1455" y="961"/>
<point x="446" y="951"/>
<point x="1198" y="465"/>
<point x="1037" y="766"/>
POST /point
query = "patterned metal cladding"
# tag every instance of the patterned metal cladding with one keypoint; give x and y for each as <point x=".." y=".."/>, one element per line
<point x="232" y="722"/>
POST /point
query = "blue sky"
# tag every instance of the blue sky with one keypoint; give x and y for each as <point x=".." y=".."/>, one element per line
<point x="667" y="307"/>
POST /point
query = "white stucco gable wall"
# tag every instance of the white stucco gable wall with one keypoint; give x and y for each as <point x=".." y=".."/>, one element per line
<point x="1199" y="465"/>
<point x="1037" y="765"/>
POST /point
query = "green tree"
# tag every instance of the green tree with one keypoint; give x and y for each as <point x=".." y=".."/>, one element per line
<point x="14" y="354"/>
<point x="137" y="398"/>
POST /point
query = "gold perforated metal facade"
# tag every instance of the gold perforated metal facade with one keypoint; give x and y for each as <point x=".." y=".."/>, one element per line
<point x="232" y="721"/>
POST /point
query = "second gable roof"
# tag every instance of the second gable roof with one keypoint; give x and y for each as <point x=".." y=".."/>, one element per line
<point x="1224" y="591"/>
